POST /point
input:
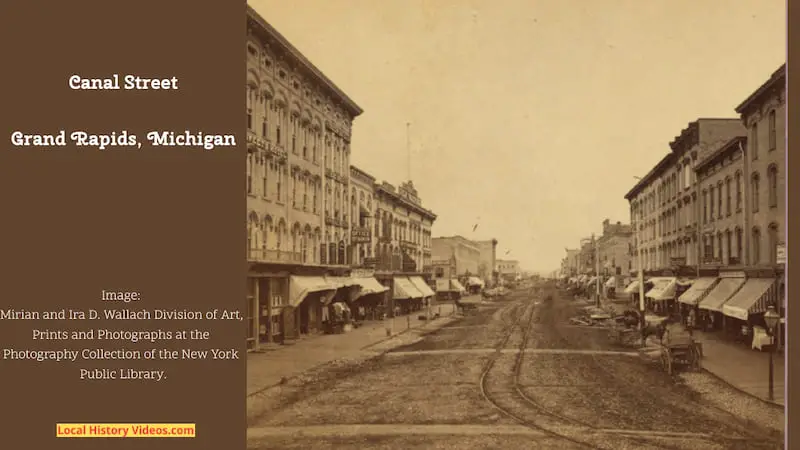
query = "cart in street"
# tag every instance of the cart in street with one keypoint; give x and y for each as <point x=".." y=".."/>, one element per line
<point x="679" y="349"/>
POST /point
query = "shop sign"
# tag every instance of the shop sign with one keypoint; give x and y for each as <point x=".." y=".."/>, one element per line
<point x="781" y="254"/>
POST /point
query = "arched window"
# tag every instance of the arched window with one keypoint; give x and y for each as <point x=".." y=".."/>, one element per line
<point x="773" y="134"/>
<point x="705" y="206"/>
<point x="738" y="191"/>
<point x="711" y="204"/>
<point x="720" y="248"/>
<point x="719" y="200"/>
<point x="772" y="179"/>
<point x="739" y="244"/>
<point x="773" y="243"/>
<point x="753" y="144"/>
<point x="754" y="183"/>
<point x="755" y="245"/>
<point x="728" y="196"/>
<point x="728" y="247"/>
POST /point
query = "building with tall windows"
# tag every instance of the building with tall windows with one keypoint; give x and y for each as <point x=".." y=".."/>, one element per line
<point x="362" y="217"/>
<point x="298" y="184"/>
<point x="665" y="203"/>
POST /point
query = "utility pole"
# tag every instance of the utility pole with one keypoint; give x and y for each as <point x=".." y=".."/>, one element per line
<point x="596" y="271"/>
<point x="639" y="263"/>
<point x="408" y="148"/>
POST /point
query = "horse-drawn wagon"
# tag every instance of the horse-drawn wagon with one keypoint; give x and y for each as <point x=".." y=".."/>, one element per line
<point x="678" y="348"/>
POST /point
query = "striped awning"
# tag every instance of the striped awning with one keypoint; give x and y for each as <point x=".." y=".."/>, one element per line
<point x="422" y="286"/>
<point x="699" y="289"/>
<point x="611" y="282"/>
<point x="403" y="289"/>
<point x="633" y="287"/>
<point x="720" y="294"/>
<point x="663" y="289"/>
<point x="753" y="298"/>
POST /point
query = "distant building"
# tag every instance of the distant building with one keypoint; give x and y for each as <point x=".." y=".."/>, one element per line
<point x="487" y="267"/>
<point x="404" y="229"/>
<point x="508" y="269"/>
<point x="362" y="215"/>
<point x="614" y="249"/>
<point x="464" y="254"/>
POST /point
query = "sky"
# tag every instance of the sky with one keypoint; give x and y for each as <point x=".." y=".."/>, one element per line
<point x="530" y="118"/>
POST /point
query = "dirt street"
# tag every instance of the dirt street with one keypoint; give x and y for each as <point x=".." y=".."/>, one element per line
<point x="512" y="375"/>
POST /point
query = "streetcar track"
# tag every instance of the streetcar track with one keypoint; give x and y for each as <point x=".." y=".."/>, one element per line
<point x="747" y="435"/>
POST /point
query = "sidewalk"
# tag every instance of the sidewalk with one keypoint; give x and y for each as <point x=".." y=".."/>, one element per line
<point x="285" y="361"/>
<point x="741" y="367"/>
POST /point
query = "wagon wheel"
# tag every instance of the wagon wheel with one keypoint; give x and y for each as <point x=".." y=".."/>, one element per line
<point x="666" y="360"/>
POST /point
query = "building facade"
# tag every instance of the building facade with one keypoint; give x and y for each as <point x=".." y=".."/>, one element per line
<point x="614" y="249"/>
<point x="569" y="265"/>
<point x="487" y="267"/>
<point x="508" y="269"/>
<point x="763" y="113"/>
<point x="665" y="203"/>
<point x="464" y="254"/>
<point x="403" y="227"/>
<point x="720" y="179"/>
<point x="299" y="126"/>
<point x="362" y="214"/>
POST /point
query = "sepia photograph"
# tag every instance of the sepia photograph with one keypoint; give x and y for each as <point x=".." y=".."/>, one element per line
<point x="516" y="224"/>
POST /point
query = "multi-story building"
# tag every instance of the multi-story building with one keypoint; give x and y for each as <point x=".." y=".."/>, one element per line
<point x="763" y="113"/>
<point x="586" y="255"/>
<point x="664" y="203"/>
<point x="362" y="216"/>
<point x="299" y="126"/>
<point x="570" y="264"/>
<point x="487" y="267"/>
<point x="613" y="248"/>
<point x="403" y="227"/>
<point x="508" y="269"/>
<point x="464" y="254"/>
<point x="720" y="182"/>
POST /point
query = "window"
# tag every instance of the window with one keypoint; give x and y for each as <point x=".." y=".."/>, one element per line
<point x="278" y="178"/>
<point x="728" y="196"/>
<point x="754" y="141"/>
<point x="294" y="190"/>
<point x="738" y="191"/>
<point x="705" y="206"/>
<point x="314" y="199"/>
<point x="772" y="179"/>
<point x="719" y="200"/>
<point x="739" y="248"/>
<point x="773" y="243"/>
<point x="720" y="250"/>
<point x="250" y="164"/>
<point x="305" y="195"/>
<point x="708" y="248"/>
<point x="711" y="204"/>
<point x="773" y="134"/>
<point x="755" y="186"/>
<point x="278" y="126"/>
<point x="264" y="178"/>
<point x="728" y="242"/>
<point x="756" y="246"/>
<point x="250" y="94"/>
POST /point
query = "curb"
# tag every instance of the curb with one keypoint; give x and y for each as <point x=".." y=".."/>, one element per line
<point x="740" y="390"/>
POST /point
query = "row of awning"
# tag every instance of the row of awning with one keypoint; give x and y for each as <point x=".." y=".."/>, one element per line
<point x="737" y="297"/>
<point x="404" y="287"/>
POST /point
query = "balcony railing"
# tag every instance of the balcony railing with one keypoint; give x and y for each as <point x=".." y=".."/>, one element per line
<point x="275" y="256"/>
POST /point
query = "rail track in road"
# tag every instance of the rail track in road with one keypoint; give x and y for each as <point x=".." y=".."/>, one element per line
<point x="746" y="437"/>
<point x="512" y="402"/>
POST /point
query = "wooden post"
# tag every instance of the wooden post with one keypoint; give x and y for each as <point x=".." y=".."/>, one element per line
<point x="257" y="319"/>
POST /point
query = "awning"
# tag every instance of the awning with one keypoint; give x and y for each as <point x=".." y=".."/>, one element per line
<point x="752" y="298"/>
<point x="422" y="286"/>
<point x="403" y="289"/>
<point x="721" y="293"/>
<point x="663" y="289"/>
<point x="632" y="288"/>
<point x="695" y="293"/>
<point x="475" y="281"/>
<point x="301" y="286"/>
<point x="341" y="282"/>
<point x="369" y="285"/>
<point x="364" y="212"/>
<point x="591" y="281"/>
<point x="456" y="286"/>
<point x="611" y="282"/>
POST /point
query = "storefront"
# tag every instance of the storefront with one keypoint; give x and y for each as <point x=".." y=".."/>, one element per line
<point x="694" y="295"/>
<point x="428" y="295"/>
<point x="661" y="296"/>
<point x="406" y="296"/>
<point x="745" y="309"/>
<point x="368" y="302"/>
<point x="309" y="297"/>
<point x="475" y="285"/>
<point x="266" y="298"/>
<point x="710" y="307"/>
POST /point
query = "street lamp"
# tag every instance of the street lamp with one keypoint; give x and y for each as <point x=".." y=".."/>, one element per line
<point x="771" y="318"/>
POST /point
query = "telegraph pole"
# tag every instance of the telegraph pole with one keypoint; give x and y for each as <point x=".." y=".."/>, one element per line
<point x="639" y="263"/>
<point x="596" y="271"/>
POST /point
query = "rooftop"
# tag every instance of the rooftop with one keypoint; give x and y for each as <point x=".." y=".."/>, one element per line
<point x="777" y="77"/>
<point x="351" y="106"/>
